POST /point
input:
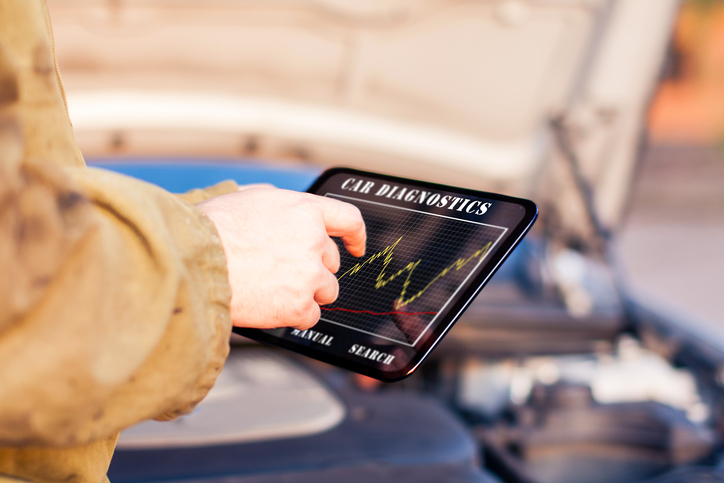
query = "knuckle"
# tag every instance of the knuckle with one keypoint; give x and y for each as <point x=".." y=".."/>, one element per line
<point x="359" y="221"/>
<point x="331" y="292"/>
<point x="335" y="290"/>
<point x="319" y="239"/>
<point x="298" y="312"/>
<point x="306" y="200"/>
<point x="336" y="263"/>
<point x="310" y="318"/>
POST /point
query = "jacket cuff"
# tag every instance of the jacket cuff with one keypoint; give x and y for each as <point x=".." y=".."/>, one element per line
<point x="196" y="196"/>
<point x="209" y="270"/>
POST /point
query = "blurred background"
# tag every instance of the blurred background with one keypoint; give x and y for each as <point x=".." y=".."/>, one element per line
<point x="673" y="238"/>
<point x="595" y="354"/>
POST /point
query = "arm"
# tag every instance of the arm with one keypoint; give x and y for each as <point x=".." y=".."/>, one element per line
<point x="113" y="293"/>
<point x="115" y="306"/>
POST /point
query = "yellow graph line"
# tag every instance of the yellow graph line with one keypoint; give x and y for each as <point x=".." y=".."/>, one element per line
<point x="409" y="268"/>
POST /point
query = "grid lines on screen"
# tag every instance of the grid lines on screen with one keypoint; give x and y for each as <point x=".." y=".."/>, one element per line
<point x="415" y="264"/>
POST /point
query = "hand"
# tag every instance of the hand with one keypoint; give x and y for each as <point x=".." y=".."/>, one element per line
<point x="279" y="253"/>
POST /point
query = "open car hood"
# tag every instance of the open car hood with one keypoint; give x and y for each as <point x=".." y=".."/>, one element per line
<point x="459" y="92"/>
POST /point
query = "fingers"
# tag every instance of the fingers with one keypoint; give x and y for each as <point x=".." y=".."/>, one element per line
<point x="325" y="294"/>
<point x="310" y="320"/>
<point x="345" y="221"/>
<point x="328" y="291"/>
<point x="330" y="256"/>
<point x="289" y="235"/>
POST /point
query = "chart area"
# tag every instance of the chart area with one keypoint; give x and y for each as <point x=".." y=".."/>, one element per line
<point x="415" y="264"/>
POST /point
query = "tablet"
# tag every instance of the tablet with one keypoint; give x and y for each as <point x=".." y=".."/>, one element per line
<point x="430" y="250"/>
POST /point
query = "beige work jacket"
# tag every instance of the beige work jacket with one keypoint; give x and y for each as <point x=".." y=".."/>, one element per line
<point x="114" y="296"/>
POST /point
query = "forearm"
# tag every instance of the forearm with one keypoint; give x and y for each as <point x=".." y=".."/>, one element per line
<point x="132" y="319"/>
<point x="113" y="293"/>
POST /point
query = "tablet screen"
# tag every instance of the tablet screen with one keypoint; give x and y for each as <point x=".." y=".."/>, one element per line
<point x="430" y="249"/>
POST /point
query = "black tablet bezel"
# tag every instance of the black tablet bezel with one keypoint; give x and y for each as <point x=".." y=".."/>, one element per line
<point x="461" y="303"/>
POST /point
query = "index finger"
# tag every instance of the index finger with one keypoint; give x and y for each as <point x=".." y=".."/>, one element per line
<point x="345" y="221"/>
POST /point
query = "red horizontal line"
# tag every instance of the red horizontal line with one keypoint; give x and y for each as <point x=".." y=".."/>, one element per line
<point x="396" y="312"/>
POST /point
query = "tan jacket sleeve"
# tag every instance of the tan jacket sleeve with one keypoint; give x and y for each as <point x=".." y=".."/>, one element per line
<point x="196" y="196"/>
<point x="113" y="293"/>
